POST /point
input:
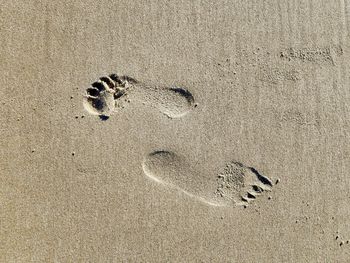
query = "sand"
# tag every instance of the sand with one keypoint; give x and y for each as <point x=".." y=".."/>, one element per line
<point x="224" y="136"/>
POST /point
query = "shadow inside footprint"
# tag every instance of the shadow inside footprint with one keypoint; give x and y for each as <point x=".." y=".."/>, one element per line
<point x="103" y="117"/>
<point x="109" y="93"/>
<point x="236" y="184"/>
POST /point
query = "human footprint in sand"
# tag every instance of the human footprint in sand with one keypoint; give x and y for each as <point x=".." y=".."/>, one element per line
<point x="236" y="184"/>
<point x="105" y="96"/>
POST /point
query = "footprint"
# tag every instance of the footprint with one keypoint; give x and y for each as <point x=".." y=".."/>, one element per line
<point x="236" y="184"/>
<point x="105" y="96"/>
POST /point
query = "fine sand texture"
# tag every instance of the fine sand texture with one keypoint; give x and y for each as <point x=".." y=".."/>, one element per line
<point x="175" y="131"/>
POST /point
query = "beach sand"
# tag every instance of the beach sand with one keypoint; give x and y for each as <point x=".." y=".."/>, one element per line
<point x="220" y="98"/>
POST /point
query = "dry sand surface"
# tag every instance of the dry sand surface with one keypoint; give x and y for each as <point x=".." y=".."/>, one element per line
<point x="175" y="131"/>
